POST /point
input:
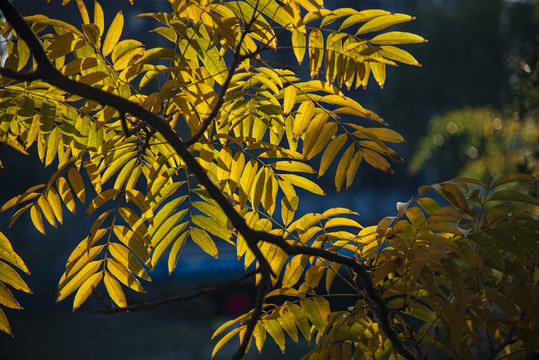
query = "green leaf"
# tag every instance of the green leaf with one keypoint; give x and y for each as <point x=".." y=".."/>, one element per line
<point x="510" y="195"/>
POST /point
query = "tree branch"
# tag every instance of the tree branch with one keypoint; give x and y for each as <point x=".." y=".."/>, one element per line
<point x="154" y="304"/>
<point x="17" y="75"/>
<point x="508" y="341"/>
<point x="49" y="73"/>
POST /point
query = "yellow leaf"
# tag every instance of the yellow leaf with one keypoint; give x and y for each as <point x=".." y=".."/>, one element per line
<point x="224" y="340"/>
<point x="345" y="102"/>
<point x="54" y="201"/>
<point x="342" y="168"/>
<point x="224" y="165"/>
<point x="158" y="234"/>
<point x="274" y="329"/>
<point x="165" y="243"/>
<point x="316" y="314"/>
<point x="362" y="16"/>
<point x="77" y="183"/>
<point x="99" y="18"/>
<point x="128" y="58"/>
<point x="352" y="169"/>
<point x="136" y="224"/>
<point x="83" y="12"/>
<point x="379" y="73"/>
<point x="116" y="165"/>
<point x="331" y="151"/>
<point x="246" y="181"/>
<point x="19" y="213"/>
<point x="236" y="169"/>
<point x="293" y="166"/>
<point x="113" y="34"/>
<point x="125" y="173"/>
<point x="86" y="289"/>
<point x="303" y="183"/>
<point x="397" y="54"/>
<point x="377" y="161"/>
<point x="289" y="204"/>
<point x="62" y="45"/>
<point x="126" y="258"/>
<point x="317" y="135"/>
<point x="397" y="37"/>
<point x="74" y="281"/>
<point x="37" y="220"/>
<point x="175" y="252"/>
<point x="259" y="333"/>
<point x="7" y="298"/>
<point x="287" y="323"/>
<point x="202" y="239"/>
<point x="100" y="199"/>
<point x="125" y="276"/>
<point x="311" y="5"/>
<point x="316" y="51"/>
<point x="65" y="193"/>
<point x="382" y="22"/>
<point x="133" y="178"/>
<point x="46" y="209"/>
<point x="300" y="318"/>
<point x="294" y="270"/>
<point x="83" y="253"/>
<point x="115" y="290"/>
<point x="133" y="242"/>
<point x="4" y="323"/>
<point x="124" y="47"/>
<point x="298" y="43"/>
<point x="289" y="99"/>
<point x="212" y="226"/>
<point x="341" y="222"/>
<point x="8" y="254"/>
<point x="52" y="145"/>
<point x="142" y="203"/>
<point x="303" y="118"/>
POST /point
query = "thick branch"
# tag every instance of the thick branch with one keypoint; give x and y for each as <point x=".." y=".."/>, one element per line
<point x="204" y="291"/>
<point x="50" y="74"/>
<point x="17" y="75"/>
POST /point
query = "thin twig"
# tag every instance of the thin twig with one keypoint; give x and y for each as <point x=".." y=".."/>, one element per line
<point x="168" y="300"/>
<point x="238" y="58"/>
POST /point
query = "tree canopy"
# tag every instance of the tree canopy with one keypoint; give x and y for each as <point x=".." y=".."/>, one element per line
<point x="206" y="140"/>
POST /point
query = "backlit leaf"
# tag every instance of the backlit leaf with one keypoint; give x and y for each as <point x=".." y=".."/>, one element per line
<point x="113" y="34"/>
<point x="86" y="289"/>
<point x="74" y="281"/>
<point x="202" y="239"/>
<point x="303" y="183"/>
<point x="115" y="290"/>
<point x="396" y="37"/>
<point x="77" y="183"/>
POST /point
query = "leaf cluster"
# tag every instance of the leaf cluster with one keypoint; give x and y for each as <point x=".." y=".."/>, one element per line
<point x="259" y="133"/>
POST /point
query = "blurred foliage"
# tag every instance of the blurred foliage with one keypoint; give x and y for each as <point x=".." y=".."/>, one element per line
<point x="482" y="140"/>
